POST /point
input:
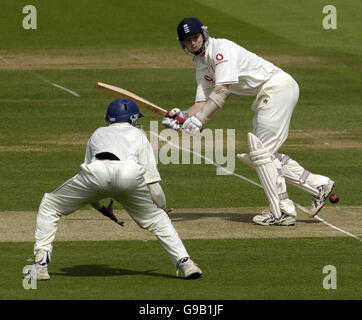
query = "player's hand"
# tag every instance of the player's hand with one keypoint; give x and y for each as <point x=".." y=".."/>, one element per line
<point x="108" y="212"/>
<point x="192" y="126"/>
<point x="171" y="123"/>
<point x="110" y="206"/>
<point x="175" y="118"/>
<point x="169" y="210"/>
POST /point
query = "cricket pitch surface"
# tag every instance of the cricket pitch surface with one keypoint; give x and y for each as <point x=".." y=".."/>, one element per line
<point x="190" y="223"/>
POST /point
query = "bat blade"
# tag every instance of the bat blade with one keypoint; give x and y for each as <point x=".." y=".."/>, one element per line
<point x="123" y="93"/>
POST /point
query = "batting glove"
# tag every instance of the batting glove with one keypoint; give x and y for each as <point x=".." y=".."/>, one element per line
<point x="171" y="123"/>
<point x="174" y="118"/>
<point x="192" y="126"/>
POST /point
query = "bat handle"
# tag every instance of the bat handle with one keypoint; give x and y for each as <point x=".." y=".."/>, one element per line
<point x="179" y="119"/>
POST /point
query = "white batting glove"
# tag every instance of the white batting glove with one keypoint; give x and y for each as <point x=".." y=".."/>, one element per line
<point x="174" y="118"/>
<point x="192" y="126"/>
<point x="171" y="123"/>
<point x="174" y="112"/>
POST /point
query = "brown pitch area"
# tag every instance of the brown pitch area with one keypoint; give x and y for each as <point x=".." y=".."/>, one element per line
<point x="191" y="223"/>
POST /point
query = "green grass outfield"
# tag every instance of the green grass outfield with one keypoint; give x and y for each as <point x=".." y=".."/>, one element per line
<point x="132" y="44"/>
<point x="249" y="269"/>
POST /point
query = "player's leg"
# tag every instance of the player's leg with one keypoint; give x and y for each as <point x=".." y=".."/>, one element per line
<point x="318" y="186"/>
<point x="138" y="202"/>
<point x="75" y="193"/>
<point x="269" y="173"/>
<point x="274" y="108"/>
<point x="284" y="92"/>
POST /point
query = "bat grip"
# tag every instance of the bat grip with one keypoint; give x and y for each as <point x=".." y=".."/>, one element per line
<point x="179" y="119"/>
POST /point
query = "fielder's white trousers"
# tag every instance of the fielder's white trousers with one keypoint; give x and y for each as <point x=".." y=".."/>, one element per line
<point x="121" y="181"/>
<point x="274" y="106"/>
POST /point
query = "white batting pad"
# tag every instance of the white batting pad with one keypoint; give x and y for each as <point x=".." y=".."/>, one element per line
<point x="287" y="206"/>
<point x="297" y="176"/>
<point x="294" y="174"/>
<point x="244" y="157"/>
<point x="267" y="172"/>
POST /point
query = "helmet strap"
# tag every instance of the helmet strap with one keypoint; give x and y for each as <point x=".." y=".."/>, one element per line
<point x="133" y="119"/>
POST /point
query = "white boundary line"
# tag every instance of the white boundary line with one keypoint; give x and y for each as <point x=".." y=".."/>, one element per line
<point x="338" y="229"/>
<point x="55" y="84"/>
<point x="256" y="184"/>
<point x="46" y="80"/>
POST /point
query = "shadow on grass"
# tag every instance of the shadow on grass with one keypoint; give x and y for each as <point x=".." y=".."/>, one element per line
<point x="241" y="217"/>
<point x="235" y="217"/>
<point x="102" y="270"/>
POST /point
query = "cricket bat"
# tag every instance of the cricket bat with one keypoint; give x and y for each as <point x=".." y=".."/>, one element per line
<point x="123" y="93"/>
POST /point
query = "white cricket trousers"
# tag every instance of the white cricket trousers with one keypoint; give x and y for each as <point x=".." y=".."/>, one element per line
<point x="120" y="180"/>
<point x="274" y="106"/>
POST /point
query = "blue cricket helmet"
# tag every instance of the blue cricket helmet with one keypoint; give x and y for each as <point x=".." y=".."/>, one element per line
<point x="123" y="110"/>
<point x="189" y="26"/>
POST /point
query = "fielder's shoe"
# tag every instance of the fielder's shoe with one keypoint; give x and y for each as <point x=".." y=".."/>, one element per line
<point x="268" y="219"/>
<point x="189" y="268"/>
<point x="36" y="271"/>
<point x="319" y="201"/>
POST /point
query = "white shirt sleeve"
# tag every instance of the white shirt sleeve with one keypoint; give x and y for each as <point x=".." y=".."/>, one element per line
<point x="202" y="93"/>
<point x="158" y="195"/>
<point x="88" y="155"/>
<point x="205" y="84"/>
<point x="148" y="161"/>
<point x="226" y="66"/>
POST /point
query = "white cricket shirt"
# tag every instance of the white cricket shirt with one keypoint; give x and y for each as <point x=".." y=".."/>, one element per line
<point x="127" y="143"/>
<point x="225" y="62"/>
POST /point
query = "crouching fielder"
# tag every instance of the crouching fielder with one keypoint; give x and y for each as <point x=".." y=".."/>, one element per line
<point x="223" y="68"/>
<point x="119" y="164"/>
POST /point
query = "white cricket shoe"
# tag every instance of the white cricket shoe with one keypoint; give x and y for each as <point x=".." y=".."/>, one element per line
<point x="285" y="220"/>
<point x="268" y="219"/>
<point x="319" y="201"/>
<point x="36" y="271"/>
<point x="189" y="268"/>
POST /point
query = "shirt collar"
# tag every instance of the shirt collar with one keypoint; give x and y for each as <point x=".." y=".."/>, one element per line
<point x="120" y="124"/>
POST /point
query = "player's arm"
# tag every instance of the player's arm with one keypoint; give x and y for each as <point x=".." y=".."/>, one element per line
<point x="201" y="112"/>
<point x="152" y="177"/>
<point x="195" y="108"/>
<point x="157" y="194"/>
<point x="88" y="154"/>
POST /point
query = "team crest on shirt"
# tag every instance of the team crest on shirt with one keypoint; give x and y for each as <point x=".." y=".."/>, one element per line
<point x="208" y="78"/>
<point x="220" y="58"/>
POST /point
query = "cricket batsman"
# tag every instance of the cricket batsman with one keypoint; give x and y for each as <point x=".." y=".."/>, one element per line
<point x="119" y="164"/>
<point x="224" y="68"/>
